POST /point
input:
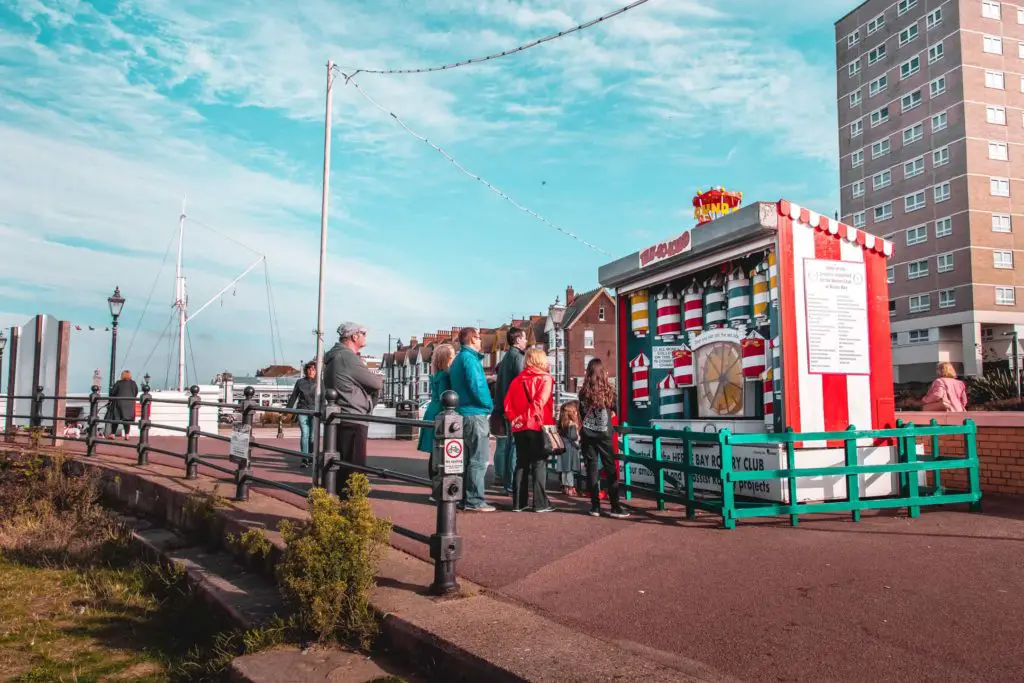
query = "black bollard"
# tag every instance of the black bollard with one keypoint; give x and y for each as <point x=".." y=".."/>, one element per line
<point x="331" y="459"/>
<point x="449" y="454"/>
<point x="142" y="448"/>
<point x="192" y="454"/>
<point x="243" y="475"/>
<point x="94" y="414"/>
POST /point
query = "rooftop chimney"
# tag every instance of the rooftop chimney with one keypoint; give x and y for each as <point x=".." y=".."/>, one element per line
<point x="413" y="341"/>
<point x="570" y="295"/>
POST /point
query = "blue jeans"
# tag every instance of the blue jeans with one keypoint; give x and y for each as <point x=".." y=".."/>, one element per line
<point x="505" y="458"/>
<point x="305" y="433"/>
<point x="475" y="432"/>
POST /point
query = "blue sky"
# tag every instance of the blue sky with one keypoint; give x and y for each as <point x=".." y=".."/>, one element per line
<point x="112" y="111"/>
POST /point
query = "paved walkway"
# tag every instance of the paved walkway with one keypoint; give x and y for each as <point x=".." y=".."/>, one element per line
<point x="939" y="598"/>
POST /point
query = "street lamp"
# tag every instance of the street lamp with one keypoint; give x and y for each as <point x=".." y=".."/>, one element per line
<point x="557" y="313"/>
<point x="116" y="303"/>
<point x="1016" y="360"/>
<point x="145" y="379"/>
<point x="3" y="345"/>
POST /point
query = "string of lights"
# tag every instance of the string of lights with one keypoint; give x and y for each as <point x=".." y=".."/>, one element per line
<point x="469" y="173"/>
<point x="504" y="53"/>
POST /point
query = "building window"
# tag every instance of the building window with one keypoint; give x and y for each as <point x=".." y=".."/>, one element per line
<point x="892" y="307"/>
<point x="1002" y="259"/>
<point x="913" y="202"/>
<point x="892" y="338"/>
<point x="876" y="23"/>
<point x="910" y="67"/>
<point x="944" y="262"/>
<point x="853" y="39"/>
<point x="856" y="128"/>
<point x="999" y="187"/>
<point x="910" y="101"/>
<point x="944" y="227"/>
<point x="917" y="269"/>
<point x="939" y="122"/>
<point x="933" y="19"/>
<point x="876" y="54"/>
<point x="879" y="116"/>
<point x="994" y="79"/>
<point x="600" y="314"/>
<point x="993" y="45"/>
<point x="947" y="298"/>
<point x="940" y="157"/>
<point x="918" y="336"/>
<point x="908" y="34"/>
<point x="1005" y="296"/>
<point x="857" y="158"/>
<point x="890" y="274"/>
<point x="935" y="53"/>
<point x="858" y="189"/>
<point x="883" y="212"/>
<point x="1001" y="222"/>
<point x="917" y="235"/>
<point x="913" y="134"/>
<point x="854" y="67"/>
<point x="1020" y="50"/>
<point x="855" y="98"/>
<point x="880" y="148"/>
<point x="859" y="219"/>
<point x="996" y="115"/>
<point x="905" y="5"/>
<point x="920" y="303"/>
<point x="998" y="151"/>
<point x="942" y="192"/>
<point x="588" y="339"/>
<point x="914" y="167"/>
<point x="880" y="180"/>
<point x="878" y="85"/>
<point x="990" y="9"/>
<point x="937" y="87"/>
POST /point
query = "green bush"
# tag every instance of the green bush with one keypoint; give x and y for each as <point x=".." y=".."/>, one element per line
<point x="329" y="564"/>
<point x="252" y="547"/>
<point x="996" y="385"/>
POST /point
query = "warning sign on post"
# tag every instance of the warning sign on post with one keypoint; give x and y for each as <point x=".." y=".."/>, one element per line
<point x="454" y="460"/>
<point x="240" y="442"/>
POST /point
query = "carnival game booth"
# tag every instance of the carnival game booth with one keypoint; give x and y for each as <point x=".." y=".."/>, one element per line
<point x="759" y="320"/>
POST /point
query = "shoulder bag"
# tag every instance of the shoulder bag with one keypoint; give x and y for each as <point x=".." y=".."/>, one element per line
<point x="553" y="442"/>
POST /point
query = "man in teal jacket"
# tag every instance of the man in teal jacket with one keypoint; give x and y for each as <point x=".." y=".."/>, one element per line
<point x="475" y="406"/>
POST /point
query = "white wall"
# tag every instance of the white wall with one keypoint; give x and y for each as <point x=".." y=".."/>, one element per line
<point x="176" y="415"/>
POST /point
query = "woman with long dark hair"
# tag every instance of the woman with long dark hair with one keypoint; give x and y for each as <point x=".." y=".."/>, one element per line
<point x="597" y="401"/>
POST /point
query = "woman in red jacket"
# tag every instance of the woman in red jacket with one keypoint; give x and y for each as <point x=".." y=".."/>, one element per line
<point x="529" y="407"/>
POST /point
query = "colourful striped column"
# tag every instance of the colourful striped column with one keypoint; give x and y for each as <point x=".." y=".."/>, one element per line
<point x="760" y="289"/>
<point x="639" y="313"/>
<point x="752" y="350"/>
<point x="640" y="368"/>
<point x="773" y="276"/>
<point x="738" y="298"/>
<point x="693" y="308"/>
<point x="670" y="398"/>
<point x="714" y="303"/>
<point x="682" y="366"/>
<point x="776" y="353"/>
<point x="669" y="321"/>
<point x="768" y="394"/>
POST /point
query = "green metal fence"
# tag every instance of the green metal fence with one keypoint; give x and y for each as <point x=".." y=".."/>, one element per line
<point x="912" y="494"/>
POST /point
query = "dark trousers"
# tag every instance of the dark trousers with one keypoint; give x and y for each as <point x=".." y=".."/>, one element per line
<point x="531" y="470"/>
<point x="597" y="454"/>
<point x="351" y="448"/>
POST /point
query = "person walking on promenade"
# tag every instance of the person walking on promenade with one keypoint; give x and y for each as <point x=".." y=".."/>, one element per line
<point x="508" y="369"/>
<point x="303" y="398"/>
<point x="122" y="404"/>
<point x="440" y="382"/>
<point x="568" y="463"/>
<point x="947" y="393"/>
<point x="529" y="406"/>
<point x="475" y="405"/>
<point x="597" y="400"/>
<point x="357" y="387"/>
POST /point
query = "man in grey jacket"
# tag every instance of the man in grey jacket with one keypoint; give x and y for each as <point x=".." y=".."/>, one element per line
<point x="508" y="369"/>
<point x="357" y="387"/>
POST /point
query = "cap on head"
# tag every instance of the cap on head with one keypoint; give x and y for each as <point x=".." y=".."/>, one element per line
<point x="347" y="330"/>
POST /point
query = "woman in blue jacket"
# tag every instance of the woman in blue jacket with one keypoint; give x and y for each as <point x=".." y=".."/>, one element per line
<point x="440" y="382"/>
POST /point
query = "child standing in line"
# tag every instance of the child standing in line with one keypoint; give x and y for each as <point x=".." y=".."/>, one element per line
<point x="568" y="463"/>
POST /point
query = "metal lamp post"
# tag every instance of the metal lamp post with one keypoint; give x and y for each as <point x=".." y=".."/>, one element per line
<point x="3" y="345"/>
<point x="557" y="313"/>
<point x="145" y="379"/>
<point x="116" y="303"/>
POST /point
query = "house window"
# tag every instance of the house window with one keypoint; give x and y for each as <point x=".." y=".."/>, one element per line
<point x="856" y="128"/>
<point x="910" y="101"/>
<point x="910" y="67"/>
<point x="944" y="262"/>
<point x="1020" y="50"/>
<point x="880" y="180"/>
<point x="944" y="227"/>
<point x="913" y="134"/>
<point x="879" y="116"/>
<point x="913" y="202"/>
<point x="908" y="34"/>
<point x="876" y="54"/>
<point x="947" y="298"/>
<point x="892" y="338"/>
<point x="858" y="189"/>
<point x="942" y="192"/>
<point x="940" y="157"/>
<point x="933" y="19"/>
<point x="919" y="336"/>
<point x="600" y="314"/>
<point x="857" y="158"/>
<point x="854" y="67"/>
<point x="935" y="53"/>
<point x="920" y="303"/>
<point x="588" y="339"/>
<point x="877" y="86"/>
<point x="1005" y="296"/>
<point x="905" y="5"/>
<point x="990" y="9"/>
<point x="913" y="167"/>
<point x="917" y="235"/>
<point x="917" y="269"/>
<point x="855" y="98"/>
<point x="939" y="122"/>
<point x="892" y="307"/>
<point x="994" y="79"/>
<point x="876" y="23"/>
<point x="999" y="187"/>
<point x="859" y="219"/>
<point x="937" y="87"/>
<point x="1020" y="15"/>
<point x="890" y="274"/>
<point x="852" y="39"/>
<point x="880" y="148"/>
<point x="996" y="115"/>
<point x="993" y="45"/>
<point x="883" y="212"/>
<point x="998" y="151"/>
<point x="1001" y="222"/>
<point x="1002" y="259"/>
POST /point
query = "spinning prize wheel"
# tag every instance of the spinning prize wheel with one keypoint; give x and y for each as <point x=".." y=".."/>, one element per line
<point x="720" y="380"/>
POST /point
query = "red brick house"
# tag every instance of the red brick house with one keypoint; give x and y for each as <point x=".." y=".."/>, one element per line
<point x="589" y="332"/>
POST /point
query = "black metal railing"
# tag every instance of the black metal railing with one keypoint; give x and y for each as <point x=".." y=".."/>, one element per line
<point x="328" y="463"/>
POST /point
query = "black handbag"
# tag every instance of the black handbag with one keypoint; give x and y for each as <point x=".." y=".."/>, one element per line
<point x="554" y="444"/>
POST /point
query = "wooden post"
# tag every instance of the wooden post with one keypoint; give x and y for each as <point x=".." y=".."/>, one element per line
<point x="60" y="383"/>
<point x="12" y="367"/>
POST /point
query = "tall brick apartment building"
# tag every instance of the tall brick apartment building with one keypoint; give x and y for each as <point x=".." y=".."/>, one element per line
<point x="931" y="143"/>
<point x="589" y="332"/>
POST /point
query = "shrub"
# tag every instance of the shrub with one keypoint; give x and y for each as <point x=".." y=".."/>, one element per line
<point x="201" y="523"/>
<point x="329" y="563"/>
<point x="252" y="546"/>
<point x="1004" y="404"/>
<point x="994" y="385"/>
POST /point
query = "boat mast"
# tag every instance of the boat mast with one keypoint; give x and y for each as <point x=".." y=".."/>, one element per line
<point x="180" y="300"/>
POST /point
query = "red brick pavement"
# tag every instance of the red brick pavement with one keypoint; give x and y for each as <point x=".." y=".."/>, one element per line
<point x="939" y="598"/>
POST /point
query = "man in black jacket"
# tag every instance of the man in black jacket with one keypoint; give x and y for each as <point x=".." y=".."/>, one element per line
<point x="508" y="369"/>
<point x="303" y="398"/>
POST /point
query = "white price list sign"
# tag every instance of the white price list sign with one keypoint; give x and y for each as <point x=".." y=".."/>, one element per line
<point x="836" y="296"/>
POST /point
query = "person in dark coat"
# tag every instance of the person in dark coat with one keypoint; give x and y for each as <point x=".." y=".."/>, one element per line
<point x="122" y="404"/>
<point x="303" y="398"/>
